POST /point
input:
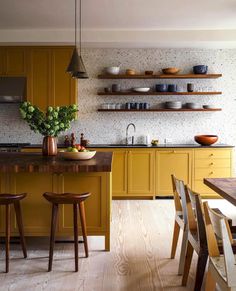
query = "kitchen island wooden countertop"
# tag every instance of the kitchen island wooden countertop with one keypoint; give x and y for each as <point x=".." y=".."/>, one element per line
<point x="35" y="174"/>
<point x="35" y="162"/>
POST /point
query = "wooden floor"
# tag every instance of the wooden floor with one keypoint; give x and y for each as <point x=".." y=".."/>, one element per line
<point x="139" y="258"/>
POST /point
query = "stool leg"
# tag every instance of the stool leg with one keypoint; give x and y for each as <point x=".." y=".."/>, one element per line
<point x="7" y="236"/>
<point x="83" y="226"/>
<point x="75" y="206"/>
<point x="20" y="227"/>
<point x="52" y="236"/>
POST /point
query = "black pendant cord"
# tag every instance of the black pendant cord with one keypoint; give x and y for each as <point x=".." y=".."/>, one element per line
<point x="80" y="26"/>
<point x="75" y="23"/>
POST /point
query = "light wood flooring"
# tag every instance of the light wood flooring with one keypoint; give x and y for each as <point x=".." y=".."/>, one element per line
<point x="141" y="234"/>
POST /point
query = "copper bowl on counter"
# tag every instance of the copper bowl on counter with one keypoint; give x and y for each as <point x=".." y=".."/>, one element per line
<point x="206" y="140"/>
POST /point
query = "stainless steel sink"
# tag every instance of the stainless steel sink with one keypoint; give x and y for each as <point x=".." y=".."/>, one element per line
<point x="127" y="145"/>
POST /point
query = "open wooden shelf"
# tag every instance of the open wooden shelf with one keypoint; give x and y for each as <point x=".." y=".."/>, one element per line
<point x="160" y="110"/>
<point x="127" y="93"/>
<point x="161" y="76"/>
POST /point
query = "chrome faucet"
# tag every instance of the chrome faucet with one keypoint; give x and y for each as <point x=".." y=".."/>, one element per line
<point x="127" y="133"/>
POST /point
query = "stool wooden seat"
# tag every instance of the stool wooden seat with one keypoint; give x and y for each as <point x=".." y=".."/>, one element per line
<point x="76" y="200"/>
<point x="7" y="200"/>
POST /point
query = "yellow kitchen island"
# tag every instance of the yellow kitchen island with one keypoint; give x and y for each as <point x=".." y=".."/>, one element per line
<point x="34" y="174"/>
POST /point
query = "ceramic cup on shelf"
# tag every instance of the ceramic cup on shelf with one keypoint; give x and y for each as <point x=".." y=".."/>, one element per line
<point x="190" y="87"/>
<point x="115" y="87"/>
<point x="172" y="88"/>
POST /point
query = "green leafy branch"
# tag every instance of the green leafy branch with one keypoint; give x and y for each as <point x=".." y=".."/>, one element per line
<point x="53" y="122"/>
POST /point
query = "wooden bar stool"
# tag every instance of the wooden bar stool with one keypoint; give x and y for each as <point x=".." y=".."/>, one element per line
<point x="7" y="200"/>
<point x="76" y="200"/>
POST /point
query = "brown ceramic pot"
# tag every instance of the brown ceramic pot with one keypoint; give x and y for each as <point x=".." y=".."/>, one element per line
<point x="49" y="146"/>
<point x="206" y="140"/>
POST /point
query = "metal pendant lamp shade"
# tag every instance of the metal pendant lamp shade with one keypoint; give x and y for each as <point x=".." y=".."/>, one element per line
<point x="76" y="66"/>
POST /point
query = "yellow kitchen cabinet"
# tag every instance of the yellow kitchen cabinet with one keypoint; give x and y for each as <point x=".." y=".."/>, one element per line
<point x="63" y="86"/>
<point x="48" y="82"/>
<point x="211" y="163"/>
<point x="13" y="61"/>
<point x="119" y="173"/>
<point x="140" y="172"/>
<point x="168" y="162"/>
<point x="2" y="69"/>
<point x="40" y="77"/>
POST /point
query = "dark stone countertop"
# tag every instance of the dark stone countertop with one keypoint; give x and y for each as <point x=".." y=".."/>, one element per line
<point x="144" y="146"/>
<point x="36" y="163"/>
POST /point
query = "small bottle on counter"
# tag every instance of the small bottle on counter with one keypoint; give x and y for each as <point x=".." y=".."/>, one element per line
<point x="67" y="141"/>
<point x="72" y="140"/>
<point x="82" y="139"/>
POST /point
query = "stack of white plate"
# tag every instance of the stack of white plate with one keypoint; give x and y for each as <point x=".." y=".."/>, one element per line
<point x="192" y="105"/>
<point x="173" y="105"/>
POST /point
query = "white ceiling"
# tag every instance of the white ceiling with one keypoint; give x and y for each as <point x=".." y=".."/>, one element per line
<point x="110" y="20"/>
<point x="120" y="14"/>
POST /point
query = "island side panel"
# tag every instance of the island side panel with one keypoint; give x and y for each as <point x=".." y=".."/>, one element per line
<point x="36" y="210"/>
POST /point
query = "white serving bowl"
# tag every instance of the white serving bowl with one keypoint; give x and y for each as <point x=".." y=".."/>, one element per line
<point x="78" y="155"/>
<point x="141" y="89"/>
<point x="112" y="70"/>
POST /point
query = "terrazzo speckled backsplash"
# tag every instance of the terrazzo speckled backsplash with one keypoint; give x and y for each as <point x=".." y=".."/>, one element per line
<point x="104" y="127"/>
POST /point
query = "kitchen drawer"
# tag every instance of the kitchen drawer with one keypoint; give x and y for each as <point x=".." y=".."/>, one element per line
<point x="212" y="163"/>
<point x="214" y="173"/>
<point x="212" y="154"/>
<point x="201" y="188"/>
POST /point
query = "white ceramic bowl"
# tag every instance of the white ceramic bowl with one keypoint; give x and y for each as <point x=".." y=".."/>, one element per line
<point x="141" y="89"/>
<point x="112" y="70"/>
<point x="78" y="155"/>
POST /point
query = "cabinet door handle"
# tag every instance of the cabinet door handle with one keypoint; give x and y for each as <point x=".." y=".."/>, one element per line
<point x="211" y="164"/>
<point x="211" y="173"/>
<point x="211" y="155"/>
<point x="173" y="152"/>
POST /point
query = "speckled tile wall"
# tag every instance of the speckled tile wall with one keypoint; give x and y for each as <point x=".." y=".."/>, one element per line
<point x="102" y="127"/>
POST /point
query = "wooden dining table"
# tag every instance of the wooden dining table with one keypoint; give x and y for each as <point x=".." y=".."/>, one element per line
<point x="225" y="187"/>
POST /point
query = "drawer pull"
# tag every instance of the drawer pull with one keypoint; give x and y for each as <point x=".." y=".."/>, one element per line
<point x="211" y="155"/>
<point x="211" y="164"/>
<point x="173" y="152"/>
<point x="211" y="173"/>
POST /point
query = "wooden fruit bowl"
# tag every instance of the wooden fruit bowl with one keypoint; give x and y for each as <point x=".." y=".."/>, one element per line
<point x="170" y="71"/>
<point x="206" y="140"/>
<point x="78" y="155"/>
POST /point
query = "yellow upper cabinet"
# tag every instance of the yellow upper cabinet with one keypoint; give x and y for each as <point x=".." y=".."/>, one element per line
<point x="141" y="172"/>
<point x="49" y="84"/>
<point x="13" y="61"/>
<point x="168" y="162"/>
<point x="39" y="90"/>
<point x="63" y="86"/>
<point x="45" y="69"/>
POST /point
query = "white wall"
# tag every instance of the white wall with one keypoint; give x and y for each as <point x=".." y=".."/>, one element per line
<point x="110" y="127"/>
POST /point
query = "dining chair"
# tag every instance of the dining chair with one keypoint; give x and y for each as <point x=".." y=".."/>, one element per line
<point x="196" y="238"/>
<point x="180" y="221"/>
<point x="221" y="268"/>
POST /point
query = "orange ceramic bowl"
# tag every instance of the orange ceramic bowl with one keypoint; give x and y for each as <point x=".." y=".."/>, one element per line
<point x="206" y="140"/>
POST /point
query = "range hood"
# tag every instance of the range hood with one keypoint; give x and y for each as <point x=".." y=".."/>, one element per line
<point x="12" y="89"/>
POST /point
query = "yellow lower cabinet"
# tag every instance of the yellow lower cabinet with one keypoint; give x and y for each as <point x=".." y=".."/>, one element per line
<point x="168" y="162"/>
<point x="141" y="172"/>
<point x="119" y="173"/>
<point x="36" y="211"/>
<point x="211" y="163"/>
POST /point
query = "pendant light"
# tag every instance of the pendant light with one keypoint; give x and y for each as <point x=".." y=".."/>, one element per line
<point x="76" y="66"/>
